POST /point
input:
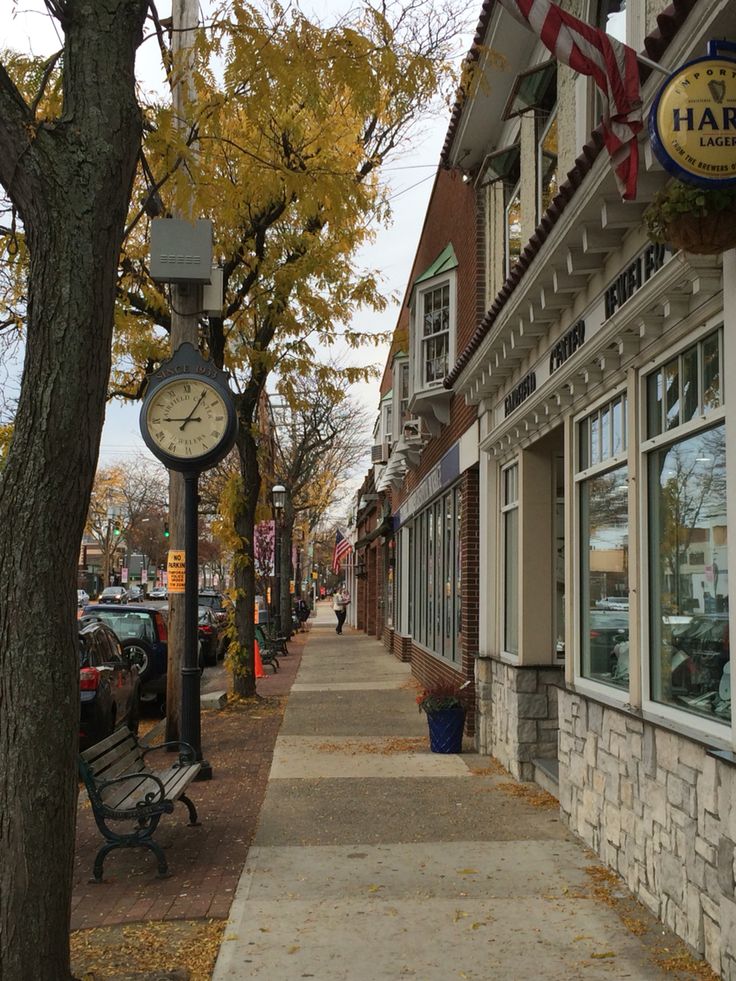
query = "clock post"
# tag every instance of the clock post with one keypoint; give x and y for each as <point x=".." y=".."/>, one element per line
<point x="188" y="420"/>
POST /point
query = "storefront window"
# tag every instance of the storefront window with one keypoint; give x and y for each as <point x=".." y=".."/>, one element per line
<point x="510" y="520"/>
<point x="436" y="577"/>
<point x="458" y="573"/>
<point x="603" y="497"/>
<point x="688" y="560"/>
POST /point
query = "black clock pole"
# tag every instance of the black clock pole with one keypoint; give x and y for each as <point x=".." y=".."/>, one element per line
<point x="191" y="730"/>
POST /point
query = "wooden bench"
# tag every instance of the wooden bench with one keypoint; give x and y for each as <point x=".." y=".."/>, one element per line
<point x="268" y="652"/>
<point x="123" y="788"/>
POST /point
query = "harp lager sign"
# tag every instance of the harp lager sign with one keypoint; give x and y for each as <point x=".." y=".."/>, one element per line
<point x="692" y="124"/>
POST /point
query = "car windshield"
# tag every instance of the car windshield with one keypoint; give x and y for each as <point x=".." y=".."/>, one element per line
<point x="214" y="602"/>
<point x="129" y="624"/>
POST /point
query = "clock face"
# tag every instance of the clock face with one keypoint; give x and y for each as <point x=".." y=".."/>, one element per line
<point x="187" y="418"/>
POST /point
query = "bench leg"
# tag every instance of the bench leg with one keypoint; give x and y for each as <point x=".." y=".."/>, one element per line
<point x="163" y="868"/>
<point x="193" y="819"/>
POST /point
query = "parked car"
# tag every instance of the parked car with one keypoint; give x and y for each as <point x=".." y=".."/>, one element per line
<point x="612" y="603"/>
<point x="703" y="644"/>
<point x="212" y="638"/>
<point x="135" y="594"/>
<point x="82" y="597"/>
<point x="114" y="594"/>
<point x="216" y="602"/>
<point x="158" y="593"/>
<point x="143" y="636"/>
<point x="109" y="683"/>
<point x="608" y="628"/>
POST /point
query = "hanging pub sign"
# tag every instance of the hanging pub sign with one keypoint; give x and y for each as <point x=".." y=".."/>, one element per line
<point x="692" y="124"/>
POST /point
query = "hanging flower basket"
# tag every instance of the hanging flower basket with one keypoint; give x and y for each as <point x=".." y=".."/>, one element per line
<point x="708" y="235"/>
<point x="695" y="219"/>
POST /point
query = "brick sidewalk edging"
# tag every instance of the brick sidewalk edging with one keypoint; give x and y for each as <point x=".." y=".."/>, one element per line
<point x="205" y="862"/>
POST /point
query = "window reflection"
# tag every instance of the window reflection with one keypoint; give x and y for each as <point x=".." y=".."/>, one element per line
<point x="604" y="519"/>
<point x="689" y="575"/>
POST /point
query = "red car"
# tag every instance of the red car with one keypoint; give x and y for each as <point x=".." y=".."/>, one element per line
<point x="109" y="683"/>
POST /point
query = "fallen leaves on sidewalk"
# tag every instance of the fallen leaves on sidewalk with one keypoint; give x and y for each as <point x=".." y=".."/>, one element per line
<point x="106" y="953"/>
<point x="530" y="793"/>
<point x="387" y="747"/>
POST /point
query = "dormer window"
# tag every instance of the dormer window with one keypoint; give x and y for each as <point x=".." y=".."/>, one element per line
<point x="433" y="322"/>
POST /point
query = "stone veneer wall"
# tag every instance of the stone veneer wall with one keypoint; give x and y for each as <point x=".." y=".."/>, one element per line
<point x="517" y="713"/>
<point x="661" y="811"/>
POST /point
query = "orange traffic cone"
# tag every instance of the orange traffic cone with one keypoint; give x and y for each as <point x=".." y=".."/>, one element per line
<point x="260" y="673"/>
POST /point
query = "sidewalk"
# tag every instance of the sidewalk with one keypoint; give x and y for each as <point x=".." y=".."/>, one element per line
<point x="375" y="859"/>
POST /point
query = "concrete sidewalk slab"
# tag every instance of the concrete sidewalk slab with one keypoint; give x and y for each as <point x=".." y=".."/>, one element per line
<point x="318" y="758"/>
<point x="375" y="860"/>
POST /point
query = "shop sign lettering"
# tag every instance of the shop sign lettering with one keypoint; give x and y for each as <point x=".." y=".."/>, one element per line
<point x="526" y="387"/>
<point x="566" y="346"/>
<point x="633" y="277"/>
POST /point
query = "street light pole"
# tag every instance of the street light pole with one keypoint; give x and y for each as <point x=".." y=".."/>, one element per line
<point x="278" y="500"/>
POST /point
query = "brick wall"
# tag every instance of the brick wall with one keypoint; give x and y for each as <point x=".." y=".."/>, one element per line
<point x="401" y="646"/>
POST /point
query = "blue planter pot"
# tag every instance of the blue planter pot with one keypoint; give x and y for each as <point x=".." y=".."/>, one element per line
<point x="446" y="730"/>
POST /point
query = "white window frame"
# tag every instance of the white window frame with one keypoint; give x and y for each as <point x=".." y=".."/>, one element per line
<point x="401" y="375"/>
<point x="590" y="686"/>
<point x="418" y="384"/>
<point x="504" y="509"/>
<point x="698" y="727"/>
<point x="387" y="435"/>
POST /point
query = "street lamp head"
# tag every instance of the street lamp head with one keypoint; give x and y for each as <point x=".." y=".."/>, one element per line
<point x="278" y="497"/>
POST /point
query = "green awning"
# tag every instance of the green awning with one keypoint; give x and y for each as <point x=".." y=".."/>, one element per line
<point x="445" y="261"/>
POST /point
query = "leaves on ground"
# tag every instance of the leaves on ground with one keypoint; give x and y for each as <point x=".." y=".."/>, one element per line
<point x="386" y="747"/>
<point x="184" y="945"/>
<point x="530" y="793"/>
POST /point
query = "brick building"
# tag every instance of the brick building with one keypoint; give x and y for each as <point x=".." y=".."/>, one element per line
<point x="553" y="485"/>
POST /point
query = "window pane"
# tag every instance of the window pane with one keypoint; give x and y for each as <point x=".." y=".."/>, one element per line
<point x="689" y="576"/>
<point x="604" y="587"/>
<point x="510" y="580"/>
<point x="430" y="577"/>
<point x="448" y="567"/>
<point x="711" y="372"/>
<point x="595" y="440"/>
<point x="605" y="433"/>
<point x="618" y="439"/>
<point x="513" y="230"/>
<point x="654" y="404"/>
<point x="690" y="400"/>
<point x="436" y="351"/>
<point x="672" y="394"/>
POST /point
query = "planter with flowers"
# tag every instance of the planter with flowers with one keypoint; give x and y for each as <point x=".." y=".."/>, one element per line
<point x="695" y="219"/>
<point x="445" y="709"/>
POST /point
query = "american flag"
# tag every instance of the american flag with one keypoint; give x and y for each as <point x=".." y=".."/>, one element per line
<point x="342" y="549"/>
<point x="613" y="67"/>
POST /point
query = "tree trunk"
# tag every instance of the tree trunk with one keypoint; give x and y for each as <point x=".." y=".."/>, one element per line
<point x="71" y="183"/>
<point x="244" y="676"/>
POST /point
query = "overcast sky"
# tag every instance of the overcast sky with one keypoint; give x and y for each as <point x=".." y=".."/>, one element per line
<point x="410" y="177"/>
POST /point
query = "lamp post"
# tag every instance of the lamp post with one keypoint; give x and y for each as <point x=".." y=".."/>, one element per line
<point x="278" y="501"/>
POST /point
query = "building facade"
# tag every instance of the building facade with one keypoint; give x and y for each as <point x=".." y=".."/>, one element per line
<point x="561" y="504"/>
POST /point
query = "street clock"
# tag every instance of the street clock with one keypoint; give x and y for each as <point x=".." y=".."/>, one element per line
<point x="188" y="418"/>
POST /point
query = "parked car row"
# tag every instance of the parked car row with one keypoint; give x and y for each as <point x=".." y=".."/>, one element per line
<point x="109" y="683"/>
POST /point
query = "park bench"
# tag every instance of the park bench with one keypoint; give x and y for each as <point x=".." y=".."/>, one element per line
<point x="123" y="789"/>
<point x="268" y="651"/>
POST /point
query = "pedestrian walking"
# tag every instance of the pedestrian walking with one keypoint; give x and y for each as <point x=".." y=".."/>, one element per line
<point x="340" y="602"/>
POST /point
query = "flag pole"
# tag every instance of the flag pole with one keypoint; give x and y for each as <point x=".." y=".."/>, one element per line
<point x="655" y="66"/>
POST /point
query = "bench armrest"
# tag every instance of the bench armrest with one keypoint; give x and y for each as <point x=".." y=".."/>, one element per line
<point x="187" y="755"/>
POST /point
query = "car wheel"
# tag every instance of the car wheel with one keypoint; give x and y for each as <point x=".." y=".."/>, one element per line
<point x="139" y="652"/>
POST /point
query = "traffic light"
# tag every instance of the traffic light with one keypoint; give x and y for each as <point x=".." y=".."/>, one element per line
<point x="116" y="529"/>
<point x="166" y="529"/>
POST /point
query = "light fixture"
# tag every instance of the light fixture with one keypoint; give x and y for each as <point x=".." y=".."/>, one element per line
<point x="278" y="496"/>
